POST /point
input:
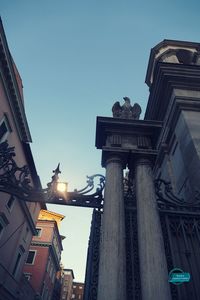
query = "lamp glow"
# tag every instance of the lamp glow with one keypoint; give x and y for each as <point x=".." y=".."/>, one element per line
<point x="61" y="187"/>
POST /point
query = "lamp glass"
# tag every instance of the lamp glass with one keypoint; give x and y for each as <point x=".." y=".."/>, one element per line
<point x="61" y="187"/>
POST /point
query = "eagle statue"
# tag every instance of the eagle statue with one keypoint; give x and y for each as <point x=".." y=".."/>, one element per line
<point x="126" y="111"/>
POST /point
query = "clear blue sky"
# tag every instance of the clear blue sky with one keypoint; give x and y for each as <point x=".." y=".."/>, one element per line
<point x="76" y="58"/>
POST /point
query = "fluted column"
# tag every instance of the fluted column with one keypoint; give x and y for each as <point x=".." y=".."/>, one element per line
<point x="153" y="266"/>
<point x="112" y="267"/>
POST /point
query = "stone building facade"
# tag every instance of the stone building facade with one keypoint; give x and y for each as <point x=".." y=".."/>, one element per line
<point x="78" y="291"/>
<point x="67" y="284"/>
<point x="17" y="218"/>
<point x="150" y="221"/>
<point x="43" y="261"/>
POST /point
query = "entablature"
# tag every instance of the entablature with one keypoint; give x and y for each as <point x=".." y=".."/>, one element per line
<point x="127" y="138"/>
<point x="170" y="79"/>
<point x="126" y="133"/>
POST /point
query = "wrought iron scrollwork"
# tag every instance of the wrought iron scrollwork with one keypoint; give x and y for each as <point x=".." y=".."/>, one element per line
<point x="168" y="251"/>
<point x="180" y="222"/>
<point x="132" y="254"/>
<point x="13" y="179"/>
<point x="92" y="268"/>
<point x="166" y="199"/>
<point x="83" y="197"/>
<point x="129" y="191"/>
<point x="16" y="181"/>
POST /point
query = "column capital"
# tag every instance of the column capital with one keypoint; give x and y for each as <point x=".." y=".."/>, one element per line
<point x="108" y="157"/>
<point x="114" y="158"/>
<point x="143" y="161"/>
<point x="136" y="159"/>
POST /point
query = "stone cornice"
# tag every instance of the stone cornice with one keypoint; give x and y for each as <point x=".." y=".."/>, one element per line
<point x="121" y="127"/>
<point x="160" y="49"/>
<point x="10" y="83"/>
<point x="167" y="78"/>
<point x="127" y="139"/>
<point x="40" y="244"/>
<point x="50" y="215"/>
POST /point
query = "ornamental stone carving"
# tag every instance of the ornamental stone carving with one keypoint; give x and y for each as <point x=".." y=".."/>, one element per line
<point x="126" y="111"/>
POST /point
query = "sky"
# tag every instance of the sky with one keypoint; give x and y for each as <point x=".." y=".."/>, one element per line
<point x="76" y="58"/>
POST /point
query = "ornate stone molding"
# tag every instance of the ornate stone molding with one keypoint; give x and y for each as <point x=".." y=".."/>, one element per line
<point x="11" y="85"/>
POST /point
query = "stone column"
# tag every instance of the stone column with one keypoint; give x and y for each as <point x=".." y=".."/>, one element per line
<point x="153" y="266"/>
<point x="112" y="267"/>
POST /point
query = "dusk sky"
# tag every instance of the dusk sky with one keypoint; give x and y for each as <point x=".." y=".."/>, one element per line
<point x="76" y="58"/>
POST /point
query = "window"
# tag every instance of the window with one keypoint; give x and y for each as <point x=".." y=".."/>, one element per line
<point x="19" y="256"/>
<point x="56" y="247"/>
<point x="39" y="231"/>
<point x="5" y="128"/>
<point x="18" y="260"/>
<point x="26" y="234"/>
<point x="73" y="296"/>
<point x="67" y="272"/>
<point x="49" y="265"/>
<point x="1" y="228"/>
<point x="10" y="202"/>
<point x="80" y="287"/>
<point x="3" y="223"/>
<point x="31" y="257"/>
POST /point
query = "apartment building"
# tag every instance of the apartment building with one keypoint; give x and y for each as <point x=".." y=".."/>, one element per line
<point x="43" y="261"/>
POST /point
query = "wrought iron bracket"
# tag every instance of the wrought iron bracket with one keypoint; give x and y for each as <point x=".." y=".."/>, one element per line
<point x="16" y="181"/>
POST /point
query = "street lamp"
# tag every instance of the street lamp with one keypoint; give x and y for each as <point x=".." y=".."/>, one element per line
<point x="15" y="180"/>
<point x="62" y="187"/>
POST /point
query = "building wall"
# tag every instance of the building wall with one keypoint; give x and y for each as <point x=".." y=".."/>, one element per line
<point x="18" y="220"/>
<point x="56" y="295"/>
<point x="180" y="164"/>
<point x="47" y="246"/>
<point x="38" y="267"/>
<point x="78" y="291"/>
<point x="67" y="284"/>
